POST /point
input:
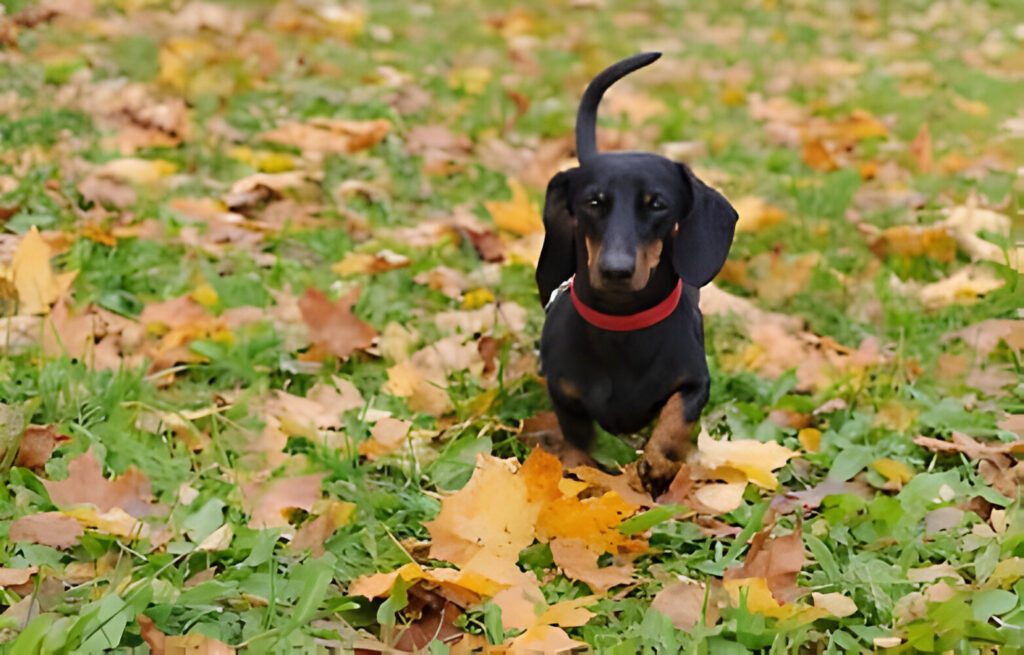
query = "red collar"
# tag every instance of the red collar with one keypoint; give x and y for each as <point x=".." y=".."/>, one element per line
<point x="627" y="322"/>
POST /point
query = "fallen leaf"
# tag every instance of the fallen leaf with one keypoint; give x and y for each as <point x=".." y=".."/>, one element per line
<point x="966" y="223"/>
<point x="754" y="459"/>
<point x="85" y="484"/>
<point x="386" y="436"/>
<point x="333" y="325"/>
<point x="330" y="135"/>
<point x="34" y="280"/>
<point x="964" y="287"/>
<point x="217" y="540"/>
<point x="916" y="241"/>
<point x="777" y="561"/>
<point x="756" y="214"/>
<point x="37" y="444"/>
<point x="683" y="603"/>
<point x="114" y="521"/>
<point x="517" y="215"/>
<point x="365" y="262"/>
<point x="423" y="378"/>
<point x="314" y="533"/>
<point x="921" y="150"/>
<point x="480" y="536"/>
<point x="52" y="529"/>
<point x="15" y="577"/>
<point x="897" y="473"/>
<point x="835" y="604"/>
<point x="545" y="639"/>
<point x="267" y="503"/>
<point x="811" y="498"/>
<point x="578" y="562"/>
<point x="974" y="449"/>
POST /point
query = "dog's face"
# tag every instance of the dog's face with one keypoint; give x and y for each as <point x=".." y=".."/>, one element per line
<point x="626" y="205"/>
<point x="623" y="208"/>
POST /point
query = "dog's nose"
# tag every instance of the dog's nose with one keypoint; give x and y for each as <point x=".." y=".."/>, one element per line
<point x="617" y="266"/>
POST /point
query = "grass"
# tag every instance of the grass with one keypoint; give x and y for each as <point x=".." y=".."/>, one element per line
<point x="476" y="60"/>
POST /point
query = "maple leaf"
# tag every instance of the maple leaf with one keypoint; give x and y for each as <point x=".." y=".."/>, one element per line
<point x="16" y="577"/>
<point x="329" y="135"/>
<point x="37" y="444"/>
<point x="33" y="278"/>
<point x="365" y="262"/>
<point x="267" y="503"/>
<point x="517" y="215"/>
<point x="754" y="459"/>
<point x="756" y="214"/>
<point x="85" y="484"/>
<point x="777" y="561"/>
<point x="333" y="326"/>
<point x="964" y="287"/>
<point x="477" y="534"/>
<point x="523" y="607"/>
<point x="578" y="562"/>
<point x="683" y="604"/>
<point x="386" y="436"/>
<point x="53" y="529"/>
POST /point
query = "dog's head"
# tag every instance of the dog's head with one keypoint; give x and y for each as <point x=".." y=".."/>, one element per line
<point x="624" y="207"/>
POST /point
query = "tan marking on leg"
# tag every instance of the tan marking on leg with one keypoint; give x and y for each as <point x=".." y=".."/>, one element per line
<point x="648" y="256"/>
<point x="569" y="389"/>
<point x="668" y="446"/>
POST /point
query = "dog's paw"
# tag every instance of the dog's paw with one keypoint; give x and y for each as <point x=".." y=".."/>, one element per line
<point x="657" y="473"/>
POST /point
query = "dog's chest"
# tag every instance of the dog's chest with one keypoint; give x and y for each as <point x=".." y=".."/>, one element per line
<point x="621" y="380"/>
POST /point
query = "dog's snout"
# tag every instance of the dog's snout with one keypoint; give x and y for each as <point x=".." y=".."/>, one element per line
<point x="616" y="265"/>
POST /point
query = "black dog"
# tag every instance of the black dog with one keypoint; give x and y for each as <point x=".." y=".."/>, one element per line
<point x="638" y="235"/>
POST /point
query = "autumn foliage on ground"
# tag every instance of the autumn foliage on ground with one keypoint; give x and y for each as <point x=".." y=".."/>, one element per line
<point x="268" y="378"/>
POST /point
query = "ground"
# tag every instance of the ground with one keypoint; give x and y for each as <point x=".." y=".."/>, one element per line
<point x="268" y="374"/>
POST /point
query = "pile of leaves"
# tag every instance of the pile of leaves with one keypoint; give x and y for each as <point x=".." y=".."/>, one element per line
<point x="268" y="324"/>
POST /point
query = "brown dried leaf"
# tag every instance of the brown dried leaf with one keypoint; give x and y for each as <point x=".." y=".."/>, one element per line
<point x="683" y="603"/>
<point x="777" y="560"/>
<point x="333" y="326"/>
<point x="329" y="135"/>
<point x="52" y="529"/>
<point x="85" y="484"/>
<point x="578" y="562"/>
<point x="268" y="504"/>
<point x="37" y="444"/>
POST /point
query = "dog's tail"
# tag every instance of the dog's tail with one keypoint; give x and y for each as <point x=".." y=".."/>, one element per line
<point x="586" y="119"/>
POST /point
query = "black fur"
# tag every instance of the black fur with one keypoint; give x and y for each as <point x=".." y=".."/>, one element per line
<point x="626" y="205"/>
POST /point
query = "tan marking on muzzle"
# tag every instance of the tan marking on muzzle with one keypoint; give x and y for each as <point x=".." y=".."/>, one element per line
<point x="648" y="256"/>
<point x="669" y="444"/>
<point x="593" y="255"/>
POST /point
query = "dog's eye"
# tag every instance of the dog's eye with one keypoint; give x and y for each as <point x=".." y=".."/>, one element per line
<point x="656" y="203"/>
<point x="596" y="200"/>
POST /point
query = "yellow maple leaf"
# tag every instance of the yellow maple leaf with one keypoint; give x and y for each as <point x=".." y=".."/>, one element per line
<point x="517" y="215"/>
<point x="810" y="439"/>
<point x="33" y="278"/>
<point x="759" y="600"/>
<point x="896" y="472"/>
<point x="116" y="521"/>
<point x="756" y="214"/>
<point x="756" y="460"/>
<point x="477" y="534"/>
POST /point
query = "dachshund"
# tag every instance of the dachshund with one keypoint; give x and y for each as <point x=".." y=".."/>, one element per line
<point x="630" y="237"/>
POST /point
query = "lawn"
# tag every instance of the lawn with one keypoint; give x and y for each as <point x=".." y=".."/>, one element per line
<point x="268" y="327"/>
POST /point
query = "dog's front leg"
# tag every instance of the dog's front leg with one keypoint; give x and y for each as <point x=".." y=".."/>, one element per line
<point x="672" y="437"/>
<point x="577" y="427"/>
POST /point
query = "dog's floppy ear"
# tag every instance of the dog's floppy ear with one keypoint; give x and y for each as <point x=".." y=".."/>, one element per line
<point x="558" y="256"/>
<point x="705" y="232"/>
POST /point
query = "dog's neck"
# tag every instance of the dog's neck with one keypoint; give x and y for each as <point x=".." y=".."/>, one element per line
<point x="662" y="282"/>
